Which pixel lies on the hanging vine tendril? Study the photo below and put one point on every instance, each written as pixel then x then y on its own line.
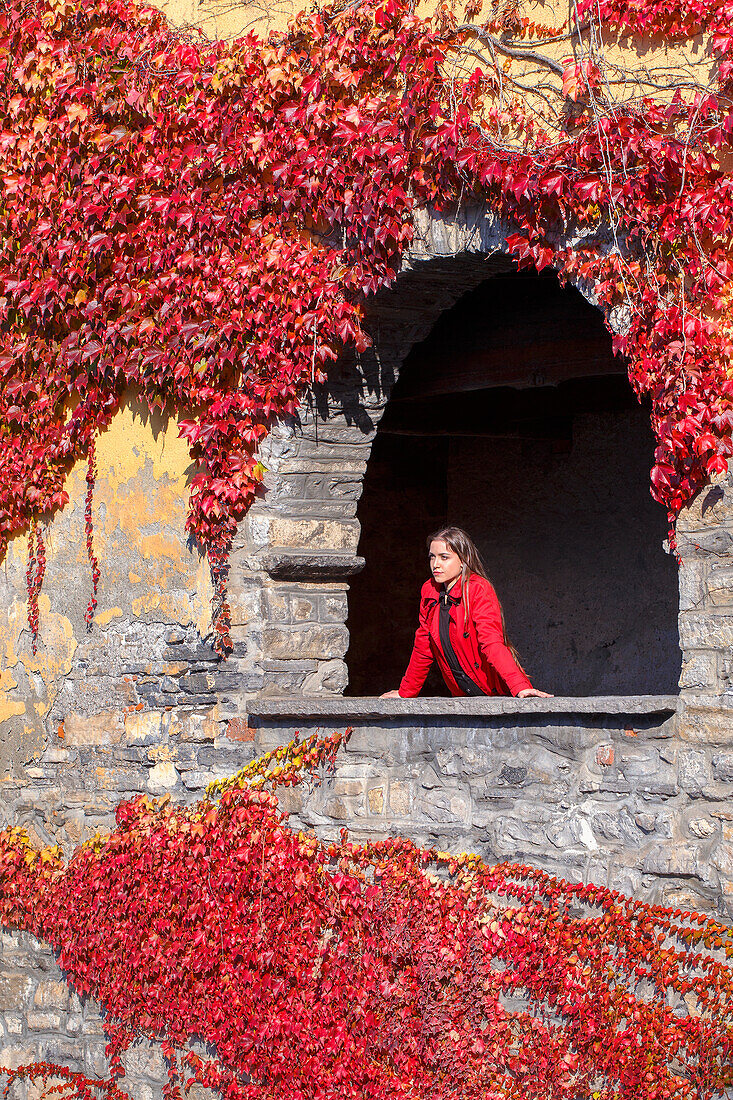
pixel 89 532
pixel 34 575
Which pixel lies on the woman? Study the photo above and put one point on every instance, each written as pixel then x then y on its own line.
pixel 462 627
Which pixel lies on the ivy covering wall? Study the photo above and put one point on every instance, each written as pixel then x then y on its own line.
pixel 201 220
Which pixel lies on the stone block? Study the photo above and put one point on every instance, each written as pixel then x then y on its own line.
pixel 330 678
pixel 723 766
pixel 238 729
pixel 92 1025
pixel 197 683
pixel 716 543
pixel 573 831
pixel 692 585
pixel 336 808
pixel 682 895
pixel 313 534
pixel 515 833
pixel 223 682
pixel 720 585
pixel 162 777
pixel 55 755
pixel 451 806
pixel 106 728
pixel 693 771
pixel 706 725
pixel 43 1021
pixel 352 788
pixel 605 755
pixel 282 683
pixel 333 608
pixel 273 664
pixel 146 1060
pixel 276 606
pixel 673 858
pixel 290 800
pixel 700 630
pixel 16 1055
pixel 430 779
pixel 324 642
pixel 638 761
pixel 15 990
pixel 712 507
pixel 617 825
pixel 399 798
pixel 701 827
pixel 95 1062
pixel 646 821
pixel 375 798
pixel 656 787
pixel 448 761
pixel 513 774
pixel 51 994
pixel 198 780
pixel 699 671
pixel 303 610
pixel 143 727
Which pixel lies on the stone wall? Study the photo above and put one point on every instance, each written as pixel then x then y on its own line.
pixel 152 581
pixel 41 1019
pixel 604 790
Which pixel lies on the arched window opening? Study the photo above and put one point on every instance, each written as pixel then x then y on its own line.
pixel 514 420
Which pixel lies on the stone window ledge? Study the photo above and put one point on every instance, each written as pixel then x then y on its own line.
pixel 359 709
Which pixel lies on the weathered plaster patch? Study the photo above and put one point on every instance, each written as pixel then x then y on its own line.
pixel 148 569
pixel 106 616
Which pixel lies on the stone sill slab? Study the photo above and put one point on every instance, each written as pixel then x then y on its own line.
pixel 358 709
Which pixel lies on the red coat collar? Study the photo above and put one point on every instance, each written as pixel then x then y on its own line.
pixel 455 592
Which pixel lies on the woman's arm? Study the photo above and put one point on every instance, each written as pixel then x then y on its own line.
pixel 419 664
pixel 486 615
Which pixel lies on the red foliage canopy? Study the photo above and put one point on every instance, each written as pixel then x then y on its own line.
pixel 200 220
pixel 379 970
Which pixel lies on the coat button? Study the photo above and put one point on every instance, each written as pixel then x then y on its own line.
pixel 475 664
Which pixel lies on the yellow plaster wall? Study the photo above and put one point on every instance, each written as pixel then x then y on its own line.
pixel 672 65
pixel 149 572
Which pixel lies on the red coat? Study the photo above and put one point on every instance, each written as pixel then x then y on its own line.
pixel 483 654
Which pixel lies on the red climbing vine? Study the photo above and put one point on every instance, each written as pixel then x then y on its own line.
pixel 89 532
pixel 201 220
pixel 60 1082
pixel 310 970
pixel 34 574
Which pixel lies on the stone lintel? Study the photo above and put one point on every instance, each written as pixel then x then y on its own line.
pixel 294 565
pixel 355 709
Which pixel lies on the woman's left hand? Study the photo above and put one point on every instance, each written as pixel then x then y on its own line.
pixel 528 693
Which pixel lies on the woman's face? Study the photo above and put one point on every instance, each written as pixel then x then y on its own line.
pixel 445 565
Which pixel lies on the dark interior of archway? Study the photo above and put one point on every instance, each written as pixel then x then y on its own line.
pixel 514 421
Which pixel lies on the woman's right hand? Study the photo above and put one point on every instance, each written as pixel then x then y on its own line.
pixel 390 695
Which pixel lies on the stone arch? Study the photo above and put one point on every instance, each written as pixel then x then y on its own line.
pixel 514 420
pixel 297 549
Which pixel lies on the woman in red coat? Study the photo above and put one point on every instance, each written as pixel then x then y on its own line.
pixel 462 627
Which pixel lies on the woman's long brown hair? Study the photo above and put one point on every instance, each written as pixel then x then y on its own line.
pixel 471 562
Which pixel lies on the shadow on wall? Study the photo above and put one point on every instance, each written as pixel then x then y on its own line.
pixel 552 482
